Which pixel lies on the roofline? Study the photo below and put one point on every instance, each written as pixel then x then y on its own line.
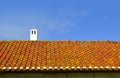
pixel 69 40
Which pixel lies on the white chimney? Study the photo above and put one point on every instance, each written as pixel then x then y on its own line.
pixel 33 34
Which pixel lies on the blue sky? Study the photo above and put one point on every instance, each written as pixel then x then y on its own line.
pixel 60 19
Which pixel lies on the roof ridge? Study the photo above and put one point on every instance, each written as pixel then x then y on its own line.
pixel 69 40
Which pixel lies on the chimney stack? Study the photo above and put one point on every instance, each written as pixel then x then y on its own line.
pixel 33 34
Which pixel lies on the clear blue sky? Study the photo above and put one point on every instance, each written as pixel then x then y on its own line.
pixel 60 19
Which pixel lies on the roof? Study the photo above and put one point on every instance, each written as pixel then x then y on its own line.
pixel 59 55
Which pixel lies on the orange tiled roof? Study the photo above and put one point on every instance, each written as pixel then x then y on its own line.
pixel 40 55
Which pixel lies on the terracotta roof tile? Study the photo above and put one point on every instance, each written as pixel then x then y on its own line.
pixel 18 54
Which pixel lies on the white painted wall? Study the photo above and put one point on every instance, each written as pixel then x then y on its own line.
pixel 33 34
